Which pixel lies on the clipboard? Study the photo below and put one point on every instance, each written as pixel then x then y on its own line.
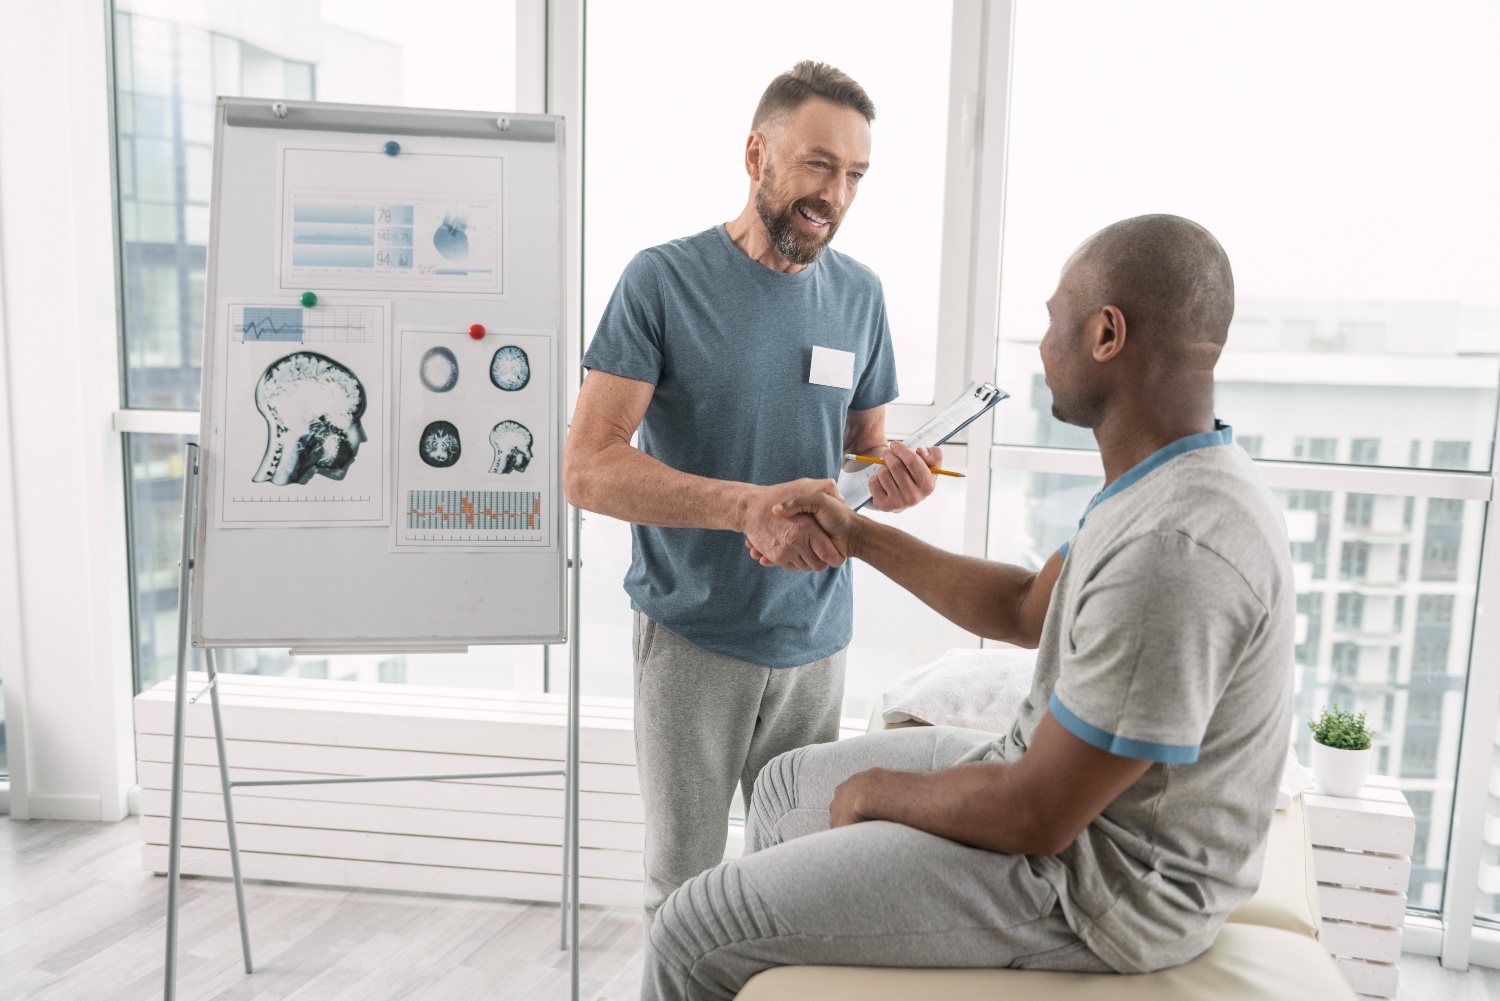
pixel 976 399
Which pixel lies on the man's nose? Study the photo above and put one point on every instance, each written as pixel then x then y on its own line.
pixel 837 191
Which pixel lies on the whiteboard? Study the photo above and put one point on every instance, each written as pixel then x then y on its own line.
pixel 372 477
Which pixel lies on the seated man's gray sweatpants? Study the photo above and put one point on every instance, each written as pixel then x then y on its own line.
pixel 871 894
pixel 704 722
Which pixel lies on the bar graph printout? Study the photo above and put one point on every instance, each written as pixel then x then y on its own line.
pixel 359 219
pixel 301 413
pixel 475 441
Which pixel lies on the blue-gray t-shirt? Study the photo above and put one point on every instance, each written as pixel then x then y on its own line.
pixel 728 344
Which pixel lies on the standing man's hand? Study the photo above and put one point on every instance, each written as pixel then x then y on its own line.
pixel 792 543
pixel 906 478
pixel 833 516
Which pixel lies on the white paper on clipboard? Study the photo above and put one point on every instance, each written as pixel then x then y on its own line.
pixel 976 398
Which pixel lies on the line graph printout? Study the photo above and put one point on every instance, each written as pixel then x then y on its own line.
pixel 301 415
pixel 517 512
pixel 474 441
pixel 323 324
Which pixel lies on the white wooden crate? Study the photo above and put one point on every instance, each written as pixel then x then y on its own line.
pixel 484 837
pixel 1362 859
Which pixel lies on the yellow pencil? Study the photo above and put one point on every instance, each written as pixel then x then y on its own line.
pixel 866 458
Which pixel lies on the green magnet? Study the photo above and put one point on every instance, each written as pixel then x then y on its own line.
pixel 309 299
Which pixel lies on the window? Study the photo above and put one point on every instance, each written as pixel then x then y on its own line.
pixel 171 61
pixel 1359 510
pixel 1345 661
pixel 1409 354
pixel 1251 443
pixel 633 203
pixel 1354 561
pixel 1443 540
pixel 1315 449
pixel 1324 364
pixel 1450 455
pixel 1364 451
pixel 1349 611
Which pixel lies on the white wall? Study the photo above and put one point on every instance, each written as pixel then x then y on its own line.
pixel 64 637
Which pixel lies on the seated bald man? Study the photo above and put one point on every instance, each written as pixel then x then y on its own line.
pixel 1124 816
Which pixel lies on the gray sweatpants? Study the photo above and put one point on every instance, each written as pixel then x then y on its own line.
pixel 871 894
pixel 704 722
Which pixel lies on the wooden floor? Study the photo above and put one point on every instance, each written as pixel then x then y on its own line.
pixel 80 921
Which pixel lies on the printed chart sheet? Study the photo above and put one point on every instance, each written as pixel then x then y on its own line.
pixel 304 414
pixel 474 441
pixel 359 219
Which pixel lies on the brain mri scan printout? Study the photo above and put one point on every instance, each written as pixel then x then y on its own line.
pixel 512 444
pixel 476 470
pixel 312 406
pixel 510 369
pixel 439 371
pixel 302 414
pixel 440 446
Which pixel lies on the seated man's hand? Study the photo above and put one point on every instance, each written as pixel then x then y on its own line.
pixel 792 543
pixel 906 478
pixel 833 517
pixel 851 799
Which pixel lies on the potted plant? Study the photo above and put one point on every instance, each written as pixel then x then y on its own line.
pixel 1340 751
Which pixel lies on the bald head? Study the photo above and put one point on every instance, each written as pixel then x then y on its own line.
pixel 1166 274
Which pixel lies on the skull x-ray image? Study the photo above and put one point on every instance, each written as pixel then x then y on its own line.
pixel 440 446
pixel 439 369
pixel 312 406
pixel 510 369
pixel 512 445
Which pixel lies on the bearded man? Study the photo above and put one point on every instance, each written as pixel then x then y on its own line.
pixel 750 357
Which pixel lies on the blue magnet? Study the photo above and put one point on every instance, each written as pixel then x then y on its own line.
pixel 392 148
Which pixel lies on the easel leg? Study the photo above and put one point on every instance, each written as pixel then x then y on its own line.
pixel 234 846
pixel 566 842
pixel 575 685
pixel 179 712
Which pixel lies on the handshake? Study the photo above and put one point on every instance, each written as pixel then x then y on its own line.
pixel 804 525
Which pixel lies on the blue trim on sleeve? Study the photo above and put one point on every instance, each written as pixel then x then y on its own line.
pixel 1170 754
pixel 1062 550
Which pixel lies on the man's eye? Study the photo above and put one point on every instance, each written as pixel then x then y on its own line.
pixel 856 175
pixel 821 165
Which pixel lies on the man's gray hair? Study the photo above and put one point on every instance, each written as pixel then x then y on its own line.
pixel 805 81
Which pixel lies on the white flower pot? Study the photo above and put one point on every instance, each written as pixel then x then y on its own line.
pixel 1337 772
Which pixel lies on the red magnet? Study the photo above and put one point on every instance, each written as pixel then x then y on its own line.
pixel 477 331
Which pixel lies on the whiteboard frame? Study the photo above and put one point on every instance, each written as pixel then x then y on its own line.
pixel 371 119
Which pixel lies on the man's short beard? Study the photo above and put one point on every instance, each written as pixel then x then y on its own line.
pixel 781 227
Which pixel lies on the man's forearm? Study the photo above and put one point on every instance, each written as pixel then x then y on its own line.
pixel 972 804
pixel 623 482
pixel 982 596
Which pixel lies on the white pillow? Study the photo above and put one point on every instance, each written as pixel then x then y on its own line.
pixel 977 689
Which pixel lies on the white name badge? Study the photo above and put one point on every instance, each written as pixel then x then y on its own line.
pixel 832 367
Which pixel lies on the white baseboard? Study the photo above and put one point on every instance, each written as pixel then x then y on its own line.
pixel 64 806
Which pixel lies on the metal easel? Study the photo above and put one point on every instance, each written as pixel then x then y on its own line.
pixel 569 900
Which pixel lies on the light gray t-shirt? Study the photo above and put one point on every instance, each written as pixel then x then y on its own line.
pixel 1169 638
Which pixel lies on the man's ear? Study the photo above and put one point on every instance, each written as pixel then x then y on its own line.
pixel 1108 335
pixel 757 151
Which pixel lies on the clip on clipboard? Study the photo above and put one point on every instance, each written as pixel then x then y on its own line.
pixel 976 398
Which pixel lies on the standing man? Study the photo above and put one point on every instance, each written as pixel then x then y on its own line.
pixel 750 357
